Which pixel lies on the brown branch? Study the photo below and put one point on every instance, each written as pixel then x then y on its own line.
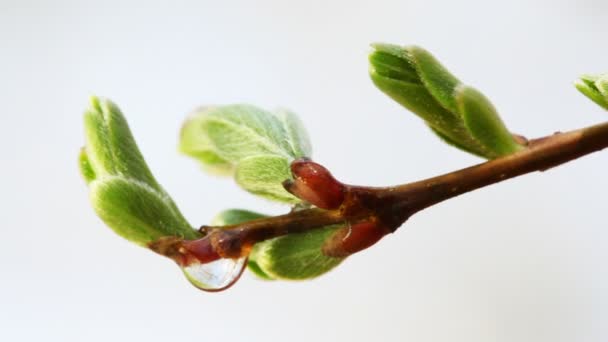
pixel 390 207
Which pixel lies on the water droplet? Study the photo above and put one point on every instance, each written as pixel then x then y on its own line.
pixel 217 275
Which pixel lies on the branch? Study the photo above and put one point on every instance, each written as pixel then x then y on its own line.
pixel 386 207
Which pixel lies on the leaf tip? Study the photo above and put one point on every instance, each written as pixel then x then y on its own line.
pixel 86 169
pixel 94 103
pixel 594 87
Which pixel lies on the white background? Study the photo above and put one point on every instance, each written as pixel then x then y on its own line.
pixel 519 261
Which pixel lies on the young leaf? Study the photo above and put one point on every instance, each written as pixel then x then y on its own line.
pixel 86 170
pixel 240 131
pixel 262 175
pixel 296 133
pixel 124 193
pixel 393 72
pixel 136 211
pixel 446 139
pixel 482 120
pixel 437 79
pixel 295 256
pixel 415 79
pixel 197 145
pixel 595 87
pixel 110 147
pixel 235 216
pixel 255 145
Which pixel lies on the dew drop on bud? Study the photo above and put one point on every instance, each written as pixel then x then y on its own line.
pixel 216 275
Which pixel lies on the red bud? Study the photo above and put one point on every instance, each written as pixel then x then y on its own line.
pixel 355 238
pixel 313 183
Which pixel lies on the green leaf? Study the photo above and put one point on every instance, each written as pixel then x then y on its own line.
pixel 197 145
pixel 263 176
pixel 136 211
pixel 482 120
pixel 392 71
pixel 254 268
pixel 436 78
pixel 414 97
pixel 256 146
pixel 123 191
pixel 595 87
pixel 86 170
pixel 110 147
pixel 230 217
pixel 602 86
pixel 297 138
pixel 295 256
pixel 415 79
pixel 290 257
pixel 393 62
pixel 446 139
pixel 241 131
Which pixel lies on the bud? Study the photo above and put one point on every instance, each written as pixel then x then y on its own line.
pixel 354 238
pixel 315 184
pixel 458 114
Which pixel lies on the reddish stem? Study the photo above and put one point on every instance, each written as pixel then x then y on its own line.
pixel 389 207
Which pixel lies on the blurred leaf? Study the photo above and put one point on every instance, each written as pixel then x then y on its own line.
pixel 124 193
pixel 86 170
pixel 230 217
pixel 254 268
pixel 482 120
pixel 240 131
pixel 255 145
pixel 263 176
pixel 595 87
pixel 197 145
pixel 296 133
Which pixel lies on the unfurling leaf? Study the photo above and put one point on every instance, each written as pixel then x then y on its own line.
pixel 136 211
pixel 416 80
pixel 260 174
pixel 253 144
pixel 595 87
pixel 297 137
pixel 483 122
pixel 124 193
pixel 290 257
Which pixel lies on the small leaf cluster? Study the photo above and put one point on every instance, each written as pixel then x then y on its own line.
pixel 251 144
pixel 459 114
pixel 256 147
pixel 123 191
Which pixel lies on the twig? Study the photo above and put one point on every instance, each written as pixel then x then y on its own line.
pixel 392 206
